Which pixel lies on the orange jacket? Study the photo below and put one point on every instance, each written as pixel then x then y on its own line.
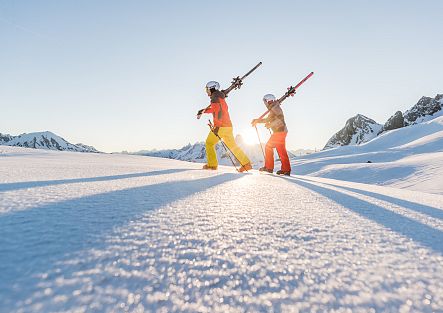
pixel 219 110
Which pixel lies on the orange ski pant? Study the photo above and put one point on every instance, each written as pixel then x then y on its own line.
pixel 278 141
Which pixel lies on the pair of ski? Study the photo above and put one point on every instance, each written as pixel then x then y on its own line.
pixel 236 83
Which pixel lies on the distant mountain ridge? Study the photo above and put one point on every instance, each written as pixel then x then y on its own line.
pixel 197 153
pixel 360 129
pixel 44 140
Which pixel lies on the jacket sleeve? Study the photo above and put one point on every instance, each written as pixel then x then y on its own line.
pixel 209 109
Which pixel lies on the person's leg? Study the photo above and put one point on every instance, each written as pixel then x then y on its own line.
pixel 211 156
pixel 269 153
pixel 282 152
pixel 226 134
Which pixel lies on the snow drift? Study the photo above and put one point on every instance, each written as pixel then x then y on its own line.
pixel 408 157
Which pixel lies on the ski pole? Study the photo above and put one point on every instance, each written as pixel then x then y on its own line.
pixel 259 140
pixel 211 126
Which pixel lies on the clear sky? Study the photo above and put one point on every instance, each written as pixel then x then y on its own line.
pixel 130 75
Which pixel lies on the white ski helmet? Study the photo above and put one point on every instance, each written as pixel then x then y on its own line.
pixel 213 85
pixel 268 98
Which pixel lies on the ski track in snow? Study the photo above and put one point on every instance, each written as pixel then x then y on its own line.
pixel 94 233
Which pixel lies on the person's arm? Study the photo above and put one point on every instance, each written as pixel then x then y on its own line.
pixel 256 121
pixel 208 109
pixel 211 108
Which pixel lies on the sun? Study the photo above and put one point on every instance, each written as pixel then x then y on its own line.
pixel 249 136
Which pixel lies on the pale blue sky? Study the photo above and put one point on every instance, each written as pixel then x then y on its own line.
pixel 130 75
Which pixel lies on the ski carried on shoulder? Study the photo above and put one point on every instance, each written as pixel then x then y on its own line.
pixel 237 82
pixel 291 92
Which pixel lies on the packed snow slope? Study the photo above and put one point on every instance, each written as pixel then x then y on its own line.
pixel 117 233
pixel 410 157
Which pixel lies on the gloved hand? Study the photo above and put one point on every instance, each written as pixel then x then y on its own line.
pixel 199 113
pixel 268 125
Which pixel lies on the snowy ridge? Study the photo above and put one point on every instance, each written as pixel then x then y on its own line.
pixel 409 157
pixel 357 130
pixel 44 140
pixel 4 138
pixel 125 233
pixel 425 108
pixel 360 129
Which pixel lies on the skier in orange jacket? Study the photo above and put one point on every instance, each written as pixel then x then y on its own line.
pixel 276 122
pixel 223 128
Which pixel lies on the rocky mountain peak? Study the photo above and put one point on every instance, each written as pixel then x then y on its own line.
pixel 421 111
pixel 424 107
pixel 395 121
pixel 357 130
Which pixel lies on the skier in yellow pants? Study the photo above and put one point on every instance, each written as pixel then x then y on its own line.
pixel 223 128
pixel 226 134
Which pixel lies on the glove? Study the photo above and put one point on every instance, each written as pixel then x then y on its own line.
pixel 268 125
pixel 199 113
pixel 255 121
pixel 215 130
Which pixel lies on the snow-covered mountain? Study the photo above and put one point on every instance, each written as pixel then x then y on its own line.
pixel 423 110
pixel 4 138
pixel 44 140
pixel 197 153
pixel 357 130
pixel 407 157
pixel 360 129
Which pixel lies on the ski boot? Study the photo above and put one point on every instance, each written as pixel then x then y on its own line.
pixel 264 169
pixel 245 167
pixel 207 167
pixel 281 172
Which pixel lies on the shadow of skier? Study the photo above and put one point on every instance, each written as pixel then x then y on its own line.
pixel 418 232
pixel 44 183
pixel 32 241
pixel 414 206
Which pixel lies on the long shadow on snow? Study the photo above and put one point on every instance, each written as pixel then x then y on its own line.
pixel 420 233
pixel 31 241
pixel 421 208
pixel 44 183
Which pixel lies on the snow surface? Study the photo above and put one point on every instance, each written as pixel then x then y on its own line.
pixel 409 157
pixel 117 233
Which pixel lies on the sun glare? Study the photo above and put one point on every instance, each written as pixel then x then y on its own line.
pixel 249 136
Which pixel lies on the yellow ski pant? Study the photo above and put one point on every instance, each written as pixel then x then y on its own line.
pixel 226 134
